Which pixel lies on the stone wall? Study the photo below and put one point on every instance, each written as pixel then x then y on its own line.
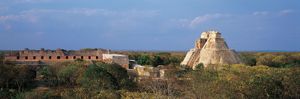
pixel 59 55
pixel 117 58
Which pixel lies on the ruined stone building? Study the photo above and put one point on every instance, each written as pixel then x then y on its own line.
pixel 210 49
pixel 51 56
pixel 117 58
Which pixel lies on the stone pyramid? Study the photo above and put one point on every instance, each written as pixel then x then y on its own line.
pixel 210 49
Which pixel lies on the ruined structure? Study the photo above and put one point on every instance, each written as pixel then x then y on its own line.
pixel 59 55
pixel 117 58
pixel 210 49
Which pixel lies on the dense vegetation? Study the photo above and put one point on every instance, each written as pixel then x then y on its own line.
pixel 272 59
pixel 264 75
pixel 156 58
pixel 240 81
pixel 78 79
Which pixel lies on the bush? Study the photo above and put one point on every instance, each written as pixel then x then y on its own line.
pixel 200 66
pixel 95 77
pixel 120 74
pixel 240 81
pixel 16 76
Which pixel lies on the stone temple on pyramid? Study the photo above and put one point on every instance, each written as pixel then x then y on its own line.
pixel 210 49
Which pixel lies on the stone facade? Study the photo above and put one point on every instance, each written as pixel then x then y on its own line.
pixel 117 58
pixel 159 72
pixel 210 49
pixel 144 71
pixel 59 55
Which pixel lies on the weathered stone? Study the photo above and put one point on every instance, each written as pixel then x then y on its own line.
pixel 37 57
pixel 210 49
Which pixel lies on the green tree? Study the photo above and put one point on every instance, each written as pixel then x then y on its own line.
pixel 95 78
pixel 280 61
pixel 265 60
pixel 248 59
pixel 174 61
pixel 157 60
pixel 144 60
pixel 200 66
pixel 69 74
pixel 119 73
pixel 23 76
pixel 44 72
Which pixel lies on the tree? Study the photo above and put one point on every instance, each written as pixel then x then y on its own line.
pixel 23 76
pixel 248 59
pixel 69 74
pixel 174 61
pixel 280 61
pixel 157 61
pixel 265 60
pixel 16 76
pixel 165 57
pixel 119 73
pixel 7 74
pixel 96 78
pixel 200 66
pixel 144 60
pixel 44 72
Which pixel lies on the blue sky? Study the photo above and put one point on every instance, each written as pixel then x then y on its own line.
pixel 148 24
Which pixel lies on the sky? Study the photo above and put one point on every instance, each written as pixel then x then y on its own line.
pixel 246 25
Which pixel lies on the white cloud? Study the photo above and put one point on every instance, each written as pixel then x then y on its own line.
pixel 117 20
pixel 285 12
pixel 280 13
pixel 20 17
pixel 88 12
pixel 191 23
pixel 91 12
pixel 83 11
pixel 260 13
pixel 137 13
pixel 207 17
pixel 183 22
pixel 5 20
pixel 8 17
pixel 115 17
pixel 80 11
pixel 31 1
pixel 203 19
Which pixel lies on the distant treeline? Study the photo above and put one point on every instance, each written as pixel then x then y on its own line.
pixel 272 59
pixel 264 75
pixel 155 58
